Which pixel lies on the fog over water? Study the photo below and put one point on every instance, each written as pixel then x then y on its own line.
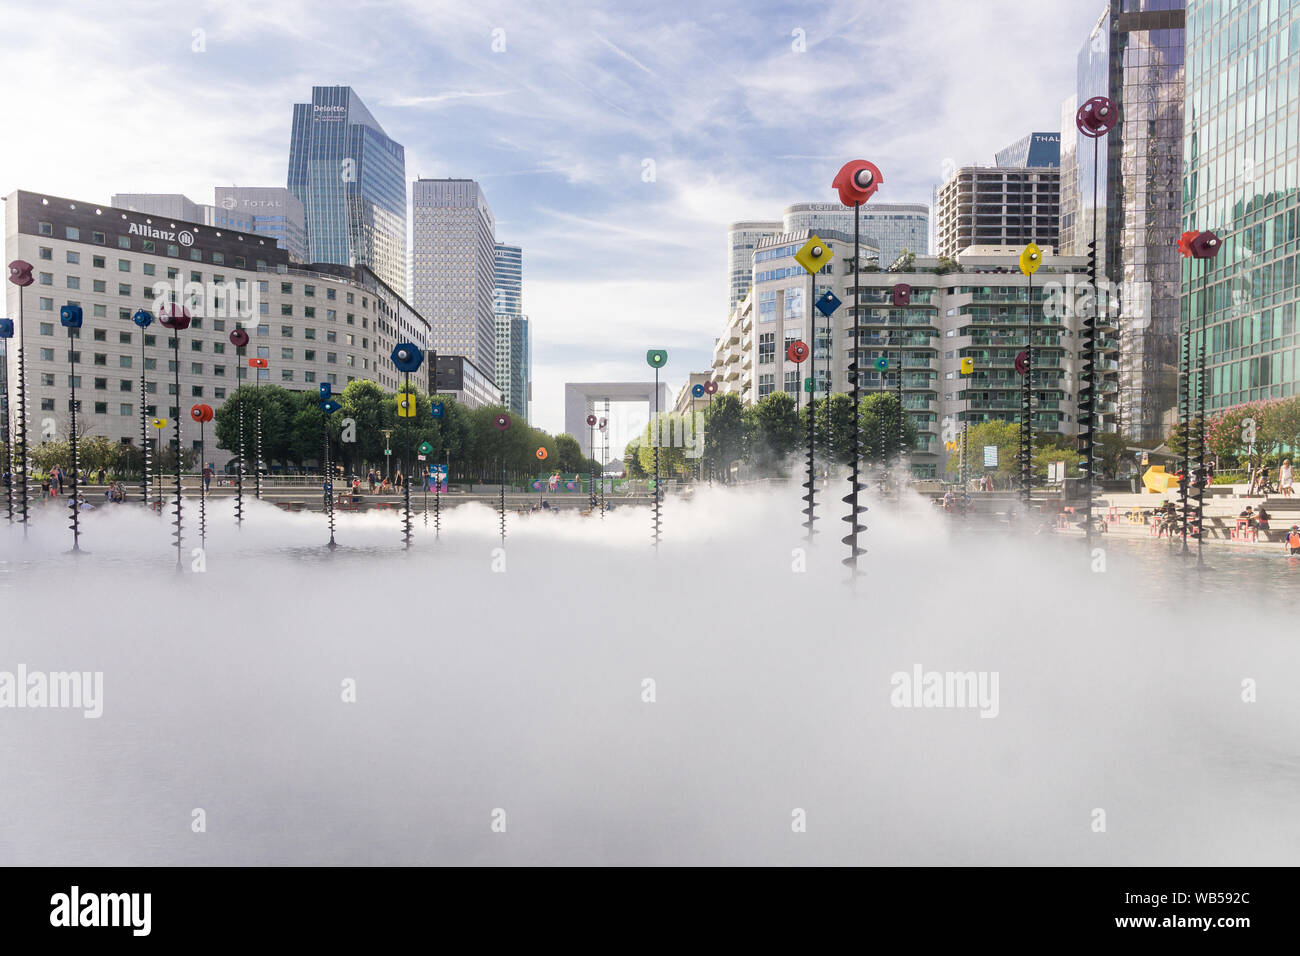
pixel 480 689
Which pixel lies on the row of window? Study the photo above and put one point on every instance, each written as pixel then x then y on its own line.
pixel 73 233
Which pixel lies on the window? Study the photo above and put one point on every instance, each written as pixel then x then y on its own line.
pixel 196 276
pixel 309 355
pixel 125 385
pixel 330 357
pixel 331 336
pixel 793 303
pixel 97 238
pixel 123 265
pixel 792 383
pixel 766 348
pixel 196 368
pixel 173 249
pixel 74 258
pixel 309 376
pixel 149 269
pixel 196 391
pixel 47 328
pixel 219 348
pixel 196 255
pixel 286 354
pixel 309 290
pixel 124 289
pixel 286 308
pixel 44 229
pixel 98 285
pixel 101 384
pixel 218 259
pixel 219 371
pixel 766 385
pixel 47 278
pixel 124 361
pixel 218 393
pixel 125 409
pixel 286 331
pixel 332 315
pixel 329 294
pixel 309 311
pixel 309 333
pixel 124 338
pixel 101 408
pixel 147 245
pixel 72 232
pixel 196 345
pixel 46 305
pixel 767 306
pixel 74 282
pixel 47 379
pixel 47 404
pixel 350 298
pixel 286 374
pixel 97 261
pixel 101 358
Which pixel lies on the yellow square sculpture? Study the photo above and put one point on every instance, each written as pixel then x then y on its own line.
pixel 814 254
pixel 1158 481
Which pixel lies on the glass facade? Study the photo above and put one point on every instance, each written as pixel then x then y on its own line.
pixel 351 180
pixel 890 228
pixel 1242 180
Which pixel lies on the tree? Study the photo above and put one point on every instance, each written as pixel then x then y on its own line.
pixel 632 459
pixel 725 435
pixel 659 434
pixel 1005 436
pixel 1112 449
pixel 568 454
pixel 774 426
pixel 833 426
pixel 1050 454
pixel 886 430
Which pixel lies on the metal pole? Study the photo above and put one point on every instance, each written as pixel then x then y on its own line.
pixel 1027 406
pixel 655 443
pixel 1201 388
pixel 811 484
pixel 203 483
pixel 22 413
pixel 8 436
pixel 144 424
pixel 406 469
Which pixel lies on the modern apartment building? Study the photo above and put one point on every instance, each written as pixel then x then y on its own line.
pixel 351 180
pixel 981 312
pixel 1242 158
pixel 997 206
pixel 1134 55
pixel 322 323
pixel 453 261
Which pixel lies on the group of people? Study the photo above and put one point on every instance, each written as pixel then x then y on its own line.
pixel 1260 483
pixel 379 484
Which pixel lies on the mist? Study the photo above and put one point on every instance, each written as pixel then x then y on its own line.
pixel 505 688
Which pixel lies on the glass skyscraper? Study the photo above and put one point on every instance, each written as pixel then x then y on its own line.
pixel 514 345
pixel 351 180
pixel 1242 160
pixel 508 296
pixel 1134 55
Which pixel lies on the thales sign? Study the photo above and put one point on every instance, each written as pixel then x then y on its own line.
pixel 184 237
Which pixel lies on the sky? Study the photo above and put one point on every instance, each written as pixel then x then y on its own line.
pixel 615 142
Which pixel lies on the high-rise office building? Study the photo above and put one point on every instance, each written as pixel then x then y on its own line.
pixel 1002 206
pixel 171 205
pixel 453 262
pixel 892 227
pixel 513 339
pixel 514 353
pixel 742 239
pixel 508 269
pixel 267 211
pixel 1242 160
pixel 1032 149
pixel 1134 55
pixel 351 180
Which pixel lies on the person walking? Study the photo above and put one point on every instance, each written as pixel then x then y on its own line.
pixel 208 471
pixel 1285 478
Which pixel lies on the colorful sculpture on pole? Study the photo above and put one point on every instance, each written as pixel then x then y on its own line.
pixel 176 318
pixel 7 333
pixel 1030 259
pixel 20 274
pixel 143 319
pixel 1204 246
pixel 502 423
pixel 857 181
pixel 70 318
pixel 239 339
pixel 1094 119
pixel 202 414
pixel 407 358
pixel 656 359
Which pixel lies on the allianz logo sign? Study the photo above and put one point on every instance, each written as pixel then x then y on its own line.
pixel 184 237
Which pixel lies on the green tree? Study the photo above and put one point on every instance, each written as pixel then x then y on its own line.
pixel 833 426
pixel 1005 436
pixel 568 454
pixel 726 437
pixel 672 454
pixel 774 424
pixel 632 459
pixel 886 430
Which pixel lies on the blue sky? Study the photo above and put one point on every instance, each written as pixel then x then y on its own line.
pixel 557 126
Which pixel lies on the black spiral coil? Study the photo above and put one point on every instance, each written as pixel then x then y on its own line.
pixel 1027 407
pixel 203 486
pixel 810 486
pixel 1202 387
pixel 855 434
pixel 437 506
pixel 178 533
pixel 239 468
pixel 1185 425
pixel 1088 390
pixel 656 517
pixel 257 465
pixel 144 429
pixel 329 483
pixel 406 511
pixel 72 499
pixel 8 439
pixel 503 491
pixel 24 500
